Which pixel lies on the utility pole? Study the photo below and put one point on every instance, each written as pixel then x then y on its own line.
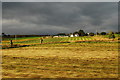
pixel 96 32
pixel 15 38
pixel 41 40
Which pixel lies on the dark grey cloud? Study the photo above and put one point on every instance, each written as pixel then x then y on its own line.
pixel 0 17
pixel 55 17
pixel 60 0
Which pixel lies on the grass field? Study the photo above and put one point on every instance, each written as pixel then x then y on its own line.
pixel 62 60
pixel 36 40
pixel 63 57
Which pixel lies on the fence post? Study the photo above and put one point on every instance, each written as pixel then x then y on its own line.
pixel 41 40
pixel 11 43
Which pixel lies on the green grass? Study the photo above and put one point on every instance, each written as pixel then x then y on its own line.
pixel 48 40
pixel 6 39
pixel 116 35
pixel 36 40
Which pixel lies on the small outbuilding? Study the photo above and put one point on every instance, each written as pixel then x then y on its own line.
pixel 71 35
pixel 76 35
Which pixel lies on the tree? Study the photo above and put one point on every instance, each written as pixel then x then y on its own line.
pixel 86 34
pixel 4 35
pixel 103 33
pixel 91 34
pixel 81 33
pixel 76 32
pixel 61 34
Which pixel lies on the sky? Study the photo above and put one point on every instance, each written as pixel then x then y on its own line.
pixel 0 17
pixel 60 0
pixel 58 17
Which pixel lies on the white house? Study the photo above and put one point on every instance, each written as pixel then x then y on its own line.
pixel 76 35
pixel 71 35
pixel 55 36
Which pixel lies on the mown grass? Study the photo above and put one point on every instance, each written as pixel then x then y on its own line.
pixel 37 40
pixel 47 40
pixel 116 35
pixel 68 59
pixel 31 41
pixel 54 65
pixel 62 60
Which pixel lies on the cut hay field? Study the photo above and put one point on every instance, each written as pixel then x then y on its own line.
pixel 37 40
pixel 61 60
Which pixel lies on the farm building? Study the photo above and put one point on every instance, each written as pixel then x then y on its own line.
pixel 55 36
pixel 71 35
pixel 76 35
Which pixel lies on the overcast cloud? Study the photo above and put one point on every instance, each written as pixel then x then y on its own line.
pixel 57 17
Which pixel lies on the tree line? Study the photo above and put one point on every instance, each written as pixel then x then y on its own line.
pixel 79 32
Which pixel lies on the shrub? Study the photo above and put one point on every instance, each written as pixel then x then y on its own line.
pixel 103 33
pixel 111 35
